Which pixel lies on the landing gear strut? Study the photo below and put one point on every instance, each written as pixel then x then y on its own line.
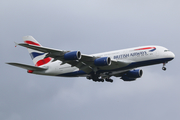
pixel 164 68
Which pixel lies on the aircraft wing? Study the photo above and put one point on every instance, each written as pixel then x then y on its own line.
pixel 43 49
pixel 89 60
pixel 27 67
pixel 86 63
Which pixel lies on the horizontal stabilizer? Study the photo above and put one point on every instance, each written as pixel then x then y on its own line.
pixel 27 67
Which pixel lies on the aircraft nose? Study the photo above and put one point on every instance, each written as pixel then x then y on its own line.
pixel 172 55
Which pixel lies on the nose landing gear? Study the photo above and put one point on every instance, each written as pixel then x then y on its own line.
pixel 164 68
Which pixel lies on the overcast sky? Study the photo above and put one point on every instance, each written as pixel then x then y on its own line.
pixel 91 26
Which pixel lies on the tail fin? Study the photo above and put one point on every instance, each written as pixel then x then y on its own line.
pixel 37 56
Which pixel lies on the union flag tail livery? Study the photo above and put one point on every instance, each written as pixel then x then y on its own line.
pixel 97 67
pixel 37 56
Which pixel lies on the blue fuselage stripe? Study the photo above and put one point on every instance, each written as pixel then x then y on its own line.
pixel 130 66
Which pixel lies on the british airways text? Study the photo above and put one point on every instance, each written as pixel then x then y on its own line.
pixel 134 54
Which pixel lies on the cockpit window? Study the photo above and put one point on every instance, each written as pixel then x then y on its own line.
pixel 166 50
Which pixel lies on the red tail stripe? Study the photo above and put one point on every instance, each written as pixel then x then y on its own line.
pixel 32 43
pixel 43 61
pixel 145 48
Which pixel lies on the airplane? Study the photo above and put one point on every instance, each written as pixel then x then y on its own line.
pixel 97 67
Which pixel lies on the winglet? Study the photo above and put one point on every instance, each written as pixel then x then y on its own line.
pixel 16 44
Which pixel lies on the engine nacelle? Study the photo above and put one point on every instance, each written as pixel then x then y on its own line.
pixel 135 73
pixel 75 55
pixel 132 75
pixel 125 78
pixel 103 61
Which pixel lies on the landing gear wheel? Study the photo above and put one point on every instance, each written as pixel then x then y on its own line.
pixel 109 80
pixel 164 68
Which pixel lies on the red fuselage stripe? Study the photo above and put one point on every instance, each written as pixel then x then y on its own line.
pixel 146 48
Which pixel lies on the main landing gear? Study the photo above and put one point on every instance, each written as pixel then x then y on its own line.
pixel 164 68
pixel 102 80
pixel 109 80
pixel 96 78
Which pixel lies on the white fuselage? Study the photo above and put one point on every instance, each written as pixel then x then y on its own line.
pixel 136 57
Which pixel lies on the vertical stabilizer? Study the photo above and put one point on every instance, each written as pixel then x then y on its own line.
pixel 37 56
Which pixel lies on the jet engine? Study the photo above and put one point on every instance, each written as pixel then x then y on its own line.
pixel 103 61
pixel 132 75
pixel 75 55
